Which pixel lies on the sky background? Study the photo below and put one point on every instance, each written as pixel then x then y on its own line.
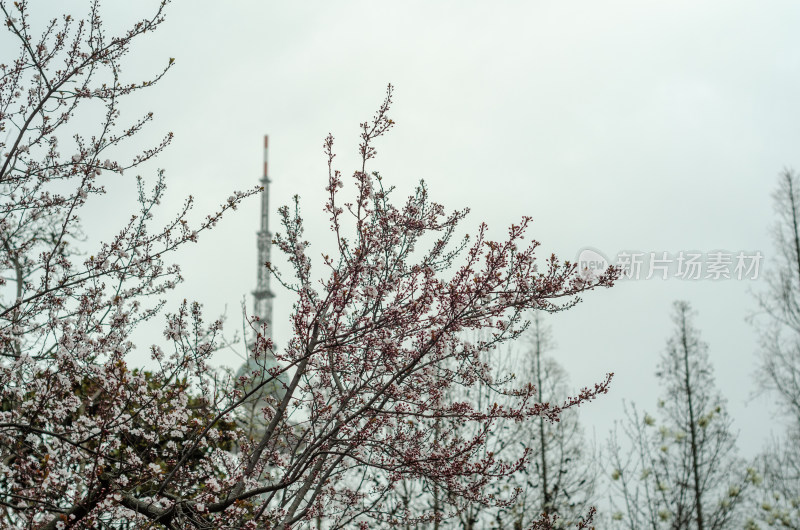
pixel 620 125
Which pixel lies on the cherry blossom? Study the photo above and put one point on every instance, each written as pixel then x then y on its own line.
pixel 379 333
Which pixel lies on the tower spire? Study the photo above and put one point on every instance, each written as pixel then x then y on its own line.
pixel 263 295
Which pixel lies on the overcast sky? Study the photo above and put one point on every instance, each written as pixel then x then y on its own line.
pixel 647 126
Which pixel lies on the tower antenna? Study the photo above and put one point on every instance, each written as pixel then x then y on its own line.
pixel 263 295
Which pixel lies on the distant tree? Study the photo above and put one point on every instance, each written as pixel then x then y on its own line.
pixel 87 441
pixel 507 440
pixel 780 304
pixel 679 471
pixel 560 477
pixel 558 472
pixel 776 475
pixel 778 323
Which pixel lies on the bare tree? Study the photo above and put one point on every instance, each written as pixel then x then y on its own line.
pixel 780 304
pixel 680 470
pixel 558 472
pixel 778 323
pixel 559 479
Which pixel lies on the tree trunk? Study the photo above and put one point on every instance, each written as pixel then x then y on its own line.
pixel 692 424
pixel 546 500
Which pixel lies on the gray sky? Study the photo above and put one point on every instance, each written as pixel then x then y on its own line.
pixel 620 125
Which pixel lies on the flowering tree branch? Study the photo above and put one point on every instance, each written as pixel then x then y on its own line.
pixel 88 441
